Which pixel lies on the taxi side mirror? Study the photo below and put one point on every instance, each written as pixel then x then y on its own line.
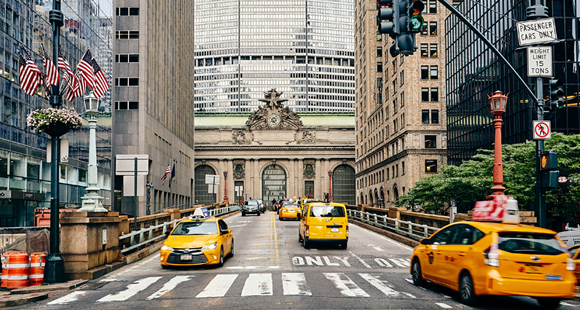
pixel 224 231
pixel 426 241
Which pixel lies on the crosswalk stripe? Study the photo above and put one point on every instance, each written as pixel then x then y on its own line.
pixel 380 285
pixel 219 286
pixel 444 306
pixel 74 296
pixel 295 284
pixel 258 284
pixel 173 283
pixel 400 262
pixel 346 286
pixel 132 290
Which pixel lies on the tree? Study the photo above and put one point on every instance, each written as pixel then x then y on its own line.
pixel 472 180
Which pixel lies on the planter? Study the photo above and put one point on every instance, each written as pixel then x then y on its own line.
pixel 57 129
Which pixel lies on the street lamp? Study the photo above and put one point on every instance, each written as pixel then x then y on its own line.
pixel 226 200
pixel 497 104
pixel 329 185
pixel 92 202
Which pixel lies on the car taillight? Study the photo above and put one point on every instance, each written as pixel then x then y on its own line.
pixel 347 229
pixel 491 255
pixel 307 229
pixel 571 265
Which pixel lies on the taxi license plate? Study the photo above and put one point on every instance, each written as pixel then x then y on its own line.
pixel 334 230
pixel 186 257
pixel 533 269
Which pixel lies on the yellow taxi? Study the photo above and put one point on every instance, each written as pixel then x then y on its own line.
pixel 289 211
pixel 575 253
pixel 489 258
pixel 198 240
pixel 324 223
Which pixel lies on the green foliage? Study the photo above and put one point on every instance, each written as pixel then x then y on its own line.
pixel 472 180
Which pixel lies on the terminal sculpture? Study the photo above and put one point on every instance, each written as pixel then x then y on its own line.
pixel 273 115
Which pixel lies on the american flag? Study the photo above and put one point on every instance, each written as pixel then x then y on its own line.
pixel 52 76
pixel 167 171
pixel 85 71
pixel 30 75
pixel 101 84
pixel 64 65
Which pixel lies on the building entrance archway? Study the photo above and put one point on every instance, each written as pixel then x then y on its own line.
pixel 273 183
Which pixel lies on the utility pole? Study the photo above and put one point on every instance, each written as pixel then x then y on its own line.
pixel 54 272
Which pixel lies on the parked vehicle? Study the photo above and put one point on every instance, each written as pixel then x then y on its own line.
pixel 251 207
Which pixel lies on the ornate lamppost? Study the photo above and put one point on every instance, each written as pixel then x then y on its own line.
pixel 226 187
pixel 329 185
pixel 92 202
pixel 497 103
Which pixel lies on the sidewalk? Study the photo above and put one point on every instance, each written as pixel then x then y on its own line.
pixel 21 296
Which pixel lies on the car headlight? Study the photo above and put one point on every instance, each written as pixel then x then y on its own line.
pixel 166 248
pixel 210 246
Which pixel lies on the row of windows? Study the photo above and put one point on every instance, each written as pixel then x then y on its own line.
pixel 429 50
pixel 127 11
pixel 430 94
pixel 429 72
pixel 125 35
pixel 126 105
pixel 126 81
pixel 434 117
pixel 127 58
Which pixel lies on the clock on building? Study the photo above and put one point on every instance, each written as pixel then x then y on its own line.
pixel 273 120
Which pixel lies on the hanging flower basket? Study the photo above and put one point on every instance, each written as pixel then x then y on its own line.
pixel 55 122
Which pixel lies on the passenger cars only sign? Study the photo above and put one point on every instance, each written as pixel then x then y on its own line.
pixel 537 31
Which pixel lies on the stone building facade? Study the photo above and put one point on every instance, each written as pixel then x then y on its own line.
pixel 275 153
pixel 400 109
pixel 153 98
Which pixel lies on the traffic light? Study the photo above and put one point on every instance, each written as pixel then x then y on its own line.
pixel 416 21
pixel 548 166
pixel 396 25
pixel 390 14
pixel 556 93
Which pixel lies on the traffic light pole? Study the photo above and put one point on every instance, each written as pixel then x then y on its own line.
pixel 540 197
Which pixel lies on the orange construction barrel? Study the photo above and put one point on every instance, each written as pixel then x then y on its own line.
pixel 5 269
pixel 36 274
pixel 18 267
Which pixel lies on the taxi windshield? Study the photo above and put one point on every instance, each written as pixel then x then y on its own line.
pixel 529 243
pixel 573 251
pixel 326 211
pixel 196 228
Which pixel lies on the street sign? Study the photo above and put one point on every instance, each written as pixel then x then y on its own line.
pixel 212 179
pixel 542 130
pixel 125 164
pixel 562 180
pixel 239 190
pixel 538 31
pixel 212 189
pixel 540 61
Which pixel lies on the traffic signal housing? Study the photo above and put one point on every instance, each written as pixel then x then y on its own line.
pixel 390 14
pixel 397 16
pixel 556 93
pixel 548 168
pixel 416 21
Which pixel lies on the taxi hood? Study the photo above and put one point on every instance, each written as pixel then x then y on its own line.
pixel 189 241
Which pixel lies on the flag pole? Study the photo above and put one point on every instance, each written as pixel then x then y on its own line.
pixel 54 272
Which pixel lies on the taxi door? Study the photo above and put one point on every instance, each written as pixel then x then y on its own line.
pixel 456 255
pixel 303 219
pixel 226 238
pixel 437 254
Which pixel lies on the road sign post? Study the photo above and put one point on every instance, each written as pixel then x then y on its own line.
pixel 540 61
pixel 212 180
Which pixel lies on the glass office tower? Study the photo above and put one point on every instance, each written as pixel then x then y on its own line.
pixel 304 48
pixel 474 73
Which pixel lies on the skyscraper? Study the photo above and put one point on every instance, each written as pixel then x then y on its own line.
pixel 304 48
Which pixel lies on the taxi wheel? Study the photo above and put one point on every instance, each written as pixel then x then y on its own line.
pixel 549 303
pixel 417 274
pixel 299 237
pixel 343 245
pixel 221 263
pixel 306 243
pixel 243 214
pixel 466 291
pixel 258 213
pixel 232 249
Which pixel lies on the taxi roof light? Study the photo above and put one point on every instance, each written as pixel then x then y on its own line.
pixel 200 214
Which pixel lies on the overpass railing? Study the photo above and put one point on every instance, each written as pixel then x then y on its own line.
pixel 406 228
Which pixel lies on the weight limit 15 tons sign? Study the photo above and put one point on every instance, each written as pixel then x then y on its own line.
pixel 540 61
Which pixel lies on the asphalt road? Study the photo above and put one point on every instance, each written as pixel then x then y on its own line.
pixel 271 270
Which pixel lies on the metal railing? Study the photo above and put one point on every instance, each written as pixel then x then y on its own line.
pixel 406 228
pixel 145 236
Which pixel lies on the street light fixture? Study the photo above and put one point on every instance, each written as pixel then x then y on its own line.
pixel 497 104
pixel 92 201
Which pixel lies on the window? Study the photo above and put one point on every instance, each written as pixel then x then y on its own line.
pixel 430 142
pixel 425 72
pixel 424 50
pixel 402 99
pixel 403 120
pixel 424 94
pixel 127 58
pixel 434 116
pixel 133 11
pixel 379 51
pixel 433 50
pixel 394 66
pixel 126 81
pixel 434 72
pixel 124 35
pixel 433 28
pixel 402 76
pixel 403 168
pixel 379 67
pixel 434 94
pixel 425 116
pixel 126 105
pixel 466 235
pixel 127 11
pixel 430 165
pixel 432 6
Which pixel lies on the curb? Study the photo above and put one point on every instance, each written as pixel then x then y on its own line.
pixel 19 300
pixel 402 239
pixel 48 288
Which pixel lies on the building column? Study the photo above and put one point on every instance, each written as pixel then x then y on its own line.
pixel 290 182
pixel 221 168
pixel 325 173
pixel 300 176
pixel 318 181
pixel 231 192
pixel 257 191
